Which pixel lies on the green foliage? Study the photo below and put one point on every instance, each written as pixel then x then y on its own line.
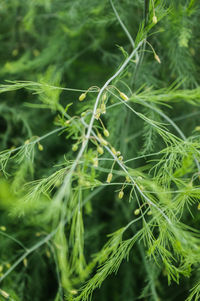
pixel 99 134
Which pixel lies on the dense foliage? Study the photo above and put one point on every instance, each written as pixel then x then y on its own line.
pixel 100 150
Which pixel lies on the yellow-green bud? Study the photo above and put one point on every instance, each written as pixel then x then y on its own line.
pixel 104 96
pixel 128 179
pixel 137 211
pixel 74 147
pixel 109 178
pixel 82 96
pixel 95 162
pixel 155 20
pixel 114 151
pixel 198 207
pixel 40 147
pixel 157 58
pixel 106 133
pixel 100 150
pixel 103 108
pixel 3 228
pixel 123 96
pixel 121 194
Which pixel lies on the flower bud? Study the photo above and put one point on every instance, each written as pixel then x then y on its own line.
pixel 74 147
pixel 157 58
pixel 121 194
pixel 40 147
pixel 137 212
pixel 106 133
pixel 100 150
pixel 154 19
pixel 82 96
pixel 109 178
pixel 123 96
pixel 95 162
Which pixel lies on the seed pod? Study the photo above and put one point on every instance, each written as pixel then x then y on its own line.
pixel 100 150
pixel 137 212
pixel 109 178
pixel 154 19
pixel 82 96
pixel 121 194
pixel 157 58
pixel 74 147
pixel 106 133
pixel 123 96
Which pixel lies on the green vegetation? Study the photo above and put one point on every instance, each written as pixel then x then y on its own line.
pixel 100 150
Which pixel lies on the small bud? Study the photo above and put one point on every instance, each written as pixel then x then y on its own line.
pixel 74 147
pixel 118 153
pixel 157 58
pixel 120 158
pixel 4 294
pixel 1 268
pixel 82 96
pixel 137 212
pixel 155 20
pixel 149 212
pixel 123 96
pixel 97 114
pixel 113 150
pixel 106 133
pixel 198 207
pixel 102 141
pixel 197 128
pixel 103 108
pixel 67 122
pixel 8 265
pixel 104 97
pixel 25 262
pixel 48 254
pixel 74 292
pixel 109 178
pixel 83 114
pixel 95 162
pixel 128 179
pixel 15 52
pixel 36 52
pixel 40 147
pixel 121 194
pixel 3 228
pixel 100 150
pixel 27 142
